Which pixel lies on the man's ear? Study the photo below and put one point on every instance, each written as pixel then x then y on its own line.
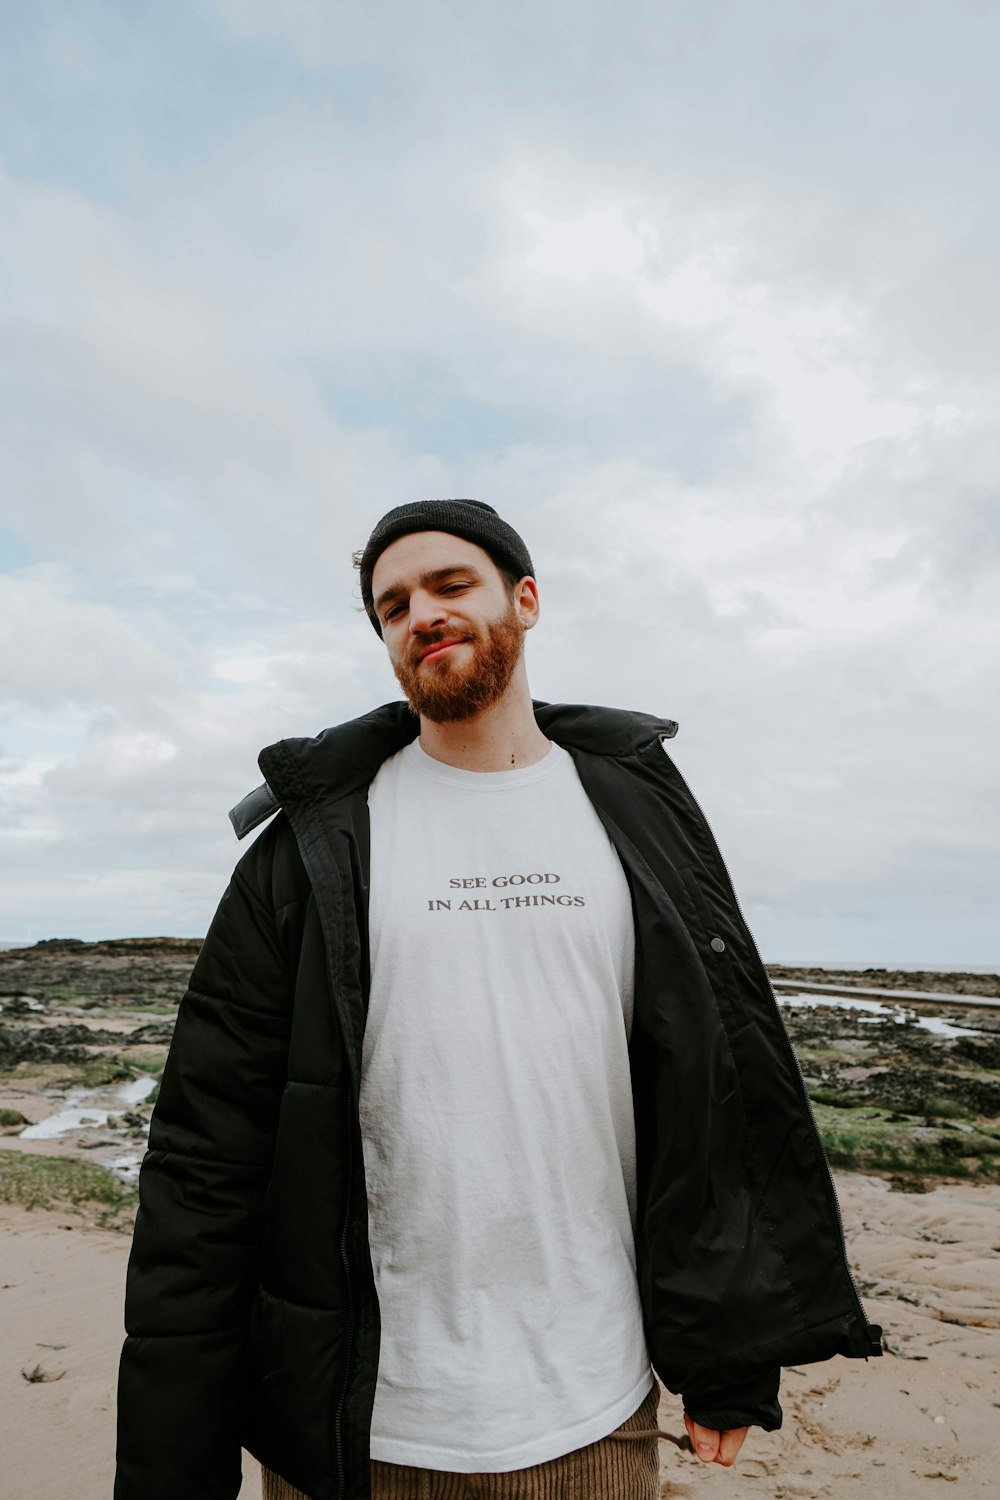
pixel 526 599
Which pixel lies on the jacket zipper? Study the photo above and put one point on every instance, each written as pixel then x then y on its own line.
pixel 804 1092
pixel 358 871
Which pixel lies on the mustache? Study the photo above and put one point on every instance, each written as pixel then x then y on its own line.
pixel 425 643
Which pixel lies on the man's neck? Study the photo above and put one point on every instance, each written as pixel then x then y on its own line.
pixel 504 737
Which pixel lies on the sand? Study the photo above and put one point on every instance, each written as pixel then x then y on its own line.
pixel 923 1420
pixel 61 1292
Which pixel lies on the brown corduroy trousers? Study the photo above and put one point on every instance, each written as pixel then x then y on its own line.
pixel 622 1466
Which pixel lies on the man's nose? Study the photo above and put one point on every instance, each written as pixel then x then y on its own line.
pixel 427 612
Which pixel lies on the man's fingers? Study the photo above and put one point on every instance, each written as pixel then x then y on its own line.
pixel 715 1447
pixel 730 1444
pixel 704 1441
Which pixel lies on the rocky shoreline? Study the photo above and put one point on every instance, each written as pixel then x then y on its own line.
pixel 908 1090
pixel 933 981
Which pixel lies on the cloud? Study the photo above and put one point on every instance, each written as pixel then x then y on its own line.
pixel 694 295
pixel 58 650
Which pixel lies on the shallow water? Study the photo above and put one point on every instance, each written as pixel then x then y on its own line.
pixel 876 1010
pixel 78 1113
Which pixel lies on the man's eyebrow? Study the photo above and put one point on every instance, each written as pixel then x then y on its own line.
pixel 433 575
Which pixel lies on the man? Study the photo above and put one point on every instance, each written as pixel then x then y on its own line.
pixel 478 1104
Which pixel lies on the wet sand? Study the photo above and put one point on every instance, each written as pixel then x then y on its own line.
pixel 922 1420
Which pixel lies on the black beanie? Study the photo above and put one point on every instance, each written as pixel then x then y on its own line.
pixel 471 519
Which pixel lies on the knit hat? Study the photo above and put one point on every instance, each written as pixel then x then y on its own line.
pixel 471 519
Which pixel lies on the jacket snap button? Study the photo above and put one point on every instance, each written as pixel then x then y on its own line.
pixel 718 946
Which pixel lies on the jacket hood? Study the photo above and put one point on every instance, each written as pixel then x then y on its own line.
pixel 348 755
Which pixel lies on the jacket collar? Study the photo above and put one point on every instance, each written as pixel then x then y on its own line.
pixel 344 759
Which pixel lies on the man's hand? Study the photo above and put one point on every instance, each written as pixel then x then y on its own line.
pixel 715 1447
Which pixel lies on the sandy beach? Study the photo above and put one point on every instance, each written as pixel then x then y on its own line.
pixel 906 1092
pixel 922 1420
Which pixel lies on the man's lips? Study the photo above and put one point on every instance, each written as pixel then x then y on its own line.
pixel 440 647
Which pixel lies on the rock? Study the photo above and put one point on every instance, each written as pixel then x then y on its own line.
pixel 124 971
pixel 72 1043
pixel 154 1031
pixel 63 1044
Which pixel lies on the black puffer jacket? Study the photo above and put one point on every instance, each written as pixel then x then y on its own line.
pixel 251 1310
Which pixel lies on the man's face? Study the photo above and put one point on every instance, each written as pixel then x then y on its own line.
pixel 453 632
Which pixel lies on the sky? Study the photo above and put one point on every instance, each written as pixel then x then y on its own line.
pixel 701 296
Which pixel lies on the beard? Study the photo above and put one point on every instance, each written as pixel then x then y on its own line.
pixel 446 694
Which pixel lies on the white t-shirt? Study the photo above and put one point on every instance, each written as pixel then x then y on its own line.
pixel 496 1114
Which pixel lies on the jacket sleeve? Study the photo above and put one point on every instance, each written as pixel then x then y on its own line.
pixel 193 1266
pixel 746 1398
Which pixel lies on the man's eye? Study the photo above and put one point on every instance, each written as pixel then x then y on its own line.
pixel 391 613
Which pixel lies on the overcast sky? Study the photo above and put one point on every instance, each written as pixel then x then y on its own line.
pixel 701 295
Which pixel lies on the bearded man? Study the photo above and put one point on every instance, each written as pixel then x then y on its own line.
pixel 479 1110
